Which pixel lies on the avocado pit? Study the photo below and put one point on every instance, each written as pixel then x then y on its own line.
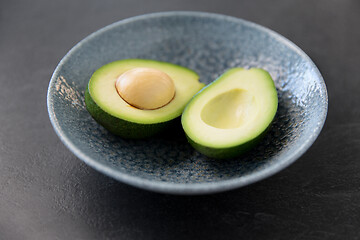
pixel 145 88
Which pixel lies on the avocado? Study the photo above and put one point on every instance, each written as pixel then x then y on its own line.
pixel 230 115
pixel 108 108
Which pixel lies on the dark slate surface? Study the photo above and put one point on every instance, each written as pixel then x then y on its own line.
pixel 47 193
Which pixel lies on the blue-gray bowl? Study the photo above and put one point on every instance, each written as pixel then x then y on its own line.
pixel 209 44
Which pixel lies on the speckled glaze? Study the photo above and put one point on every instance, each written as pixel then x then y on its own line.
pixel 209 44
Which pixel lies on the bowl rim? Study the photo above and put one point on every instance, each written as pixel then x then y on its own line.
pixel 187 188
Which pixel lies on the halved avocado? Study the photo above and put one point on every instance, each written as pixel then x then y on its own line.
pixel 230 115
pixel 107 107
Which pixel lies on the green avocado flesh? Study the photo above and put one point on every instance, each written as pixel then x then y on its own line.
pixel 111 111
pixel 229 116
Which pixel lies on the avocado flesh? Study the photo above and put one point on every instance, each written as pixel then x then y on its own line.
pixel 229 116
pixel 112 112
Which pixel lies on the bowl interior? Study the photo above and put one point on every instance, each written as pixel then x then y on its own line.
pixel 209 44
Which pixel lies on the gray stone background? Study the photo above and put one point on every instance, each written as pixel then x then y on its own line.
pixel 47 193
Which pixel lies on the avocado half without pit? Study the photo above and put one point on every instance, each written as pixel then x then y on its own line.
pixel 137 98
pixel 230 115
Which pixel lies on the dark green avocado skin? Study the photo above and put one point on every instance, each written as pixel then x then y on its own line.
pixel 122 128
pixel 231 152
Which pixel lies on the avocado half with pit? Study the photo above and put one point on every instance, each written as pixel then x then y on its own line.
pixel 145 101
pixel 230 115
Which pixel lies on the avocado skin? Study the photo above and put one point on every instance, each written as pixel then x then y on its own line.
pixel 120 127
pixel 226 153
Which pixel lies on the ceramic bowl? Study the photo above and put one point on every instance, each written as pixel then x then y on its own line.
pixel 209 44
